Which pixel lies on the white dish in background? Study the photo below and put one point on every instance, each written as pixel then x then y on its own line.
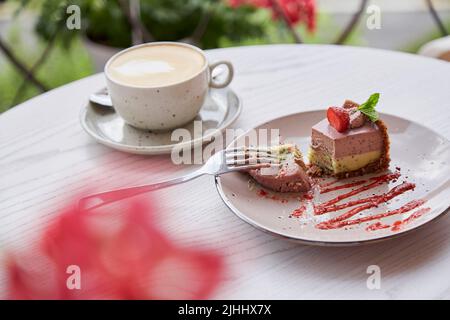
pixel 422 155
pixel 221 108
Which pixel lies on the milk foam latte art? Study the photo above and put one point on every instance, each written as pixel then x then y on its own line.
pixel 153 66
pixel 161 85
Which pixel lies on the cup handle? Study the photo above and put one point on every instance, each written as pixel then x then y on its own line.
pixel 227 81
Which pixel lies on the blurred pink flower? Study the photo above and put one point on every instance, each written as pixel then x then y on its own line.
pixel 296 11
pixel 126 259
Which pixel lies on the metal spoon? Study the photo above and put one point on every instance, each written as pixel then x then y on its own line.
pixel 102 97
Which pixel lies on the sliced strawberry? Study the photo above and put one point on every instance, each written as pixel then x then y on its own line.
pixel 338 118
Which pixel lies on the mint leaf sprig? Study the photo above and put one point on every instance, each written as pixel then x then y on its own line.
pixel 368 107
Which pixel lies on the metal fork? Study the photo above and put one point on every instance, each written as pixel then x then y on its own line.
pixel 230 160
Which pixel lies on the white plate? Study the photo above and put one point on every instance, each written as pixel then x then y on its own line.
pixel 221 109
pixel 422 155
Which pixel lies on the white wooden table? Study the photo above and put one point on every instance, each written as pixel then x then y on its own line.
pixel 45 156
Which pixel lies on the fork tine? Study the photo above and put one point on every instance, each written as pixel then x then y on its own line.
pixel 252 166
pixel 245 149
pixel 248 152
pixel 250 155
pixel 251 161
pixel 245 158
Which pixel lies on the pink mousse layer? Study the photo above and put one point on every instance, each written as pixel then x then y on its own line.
pixel 291 177
pixel 352 142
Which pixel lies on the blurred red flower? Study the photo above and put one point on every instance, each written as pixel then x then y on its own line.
pixel 296 11
pixel 126 258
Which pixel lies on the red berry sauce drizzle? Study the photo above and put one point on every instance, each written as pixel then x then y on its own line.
pixel 268 195
pixel 359 205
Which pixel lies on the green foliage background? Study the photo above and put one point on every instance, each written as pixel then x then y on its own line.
pixel 167 20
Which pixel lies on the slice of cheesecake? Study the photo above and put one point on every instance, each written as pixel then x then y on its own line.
pixel 349 143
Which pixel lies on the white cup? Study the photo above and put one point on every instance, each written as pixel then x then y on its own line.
pixel 167 106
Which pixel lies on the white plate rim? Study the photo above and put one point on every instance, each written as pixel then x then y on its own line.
pixel 162 149
pixel 267 230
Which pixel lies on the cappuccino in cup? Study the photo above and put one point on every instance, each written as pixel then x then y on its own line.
pixel 155 66
pixel 160 85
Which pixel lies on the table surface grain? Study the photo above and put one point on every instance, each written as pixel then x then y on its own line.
pixel 45 158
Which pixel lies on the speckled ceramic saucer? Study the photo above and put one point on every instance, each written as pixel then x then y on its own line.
pixel 220 110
